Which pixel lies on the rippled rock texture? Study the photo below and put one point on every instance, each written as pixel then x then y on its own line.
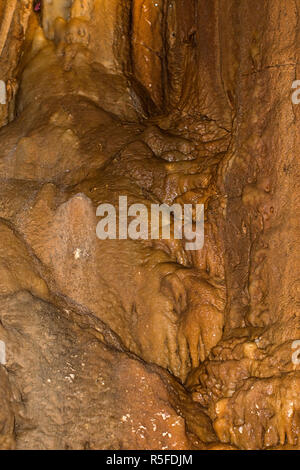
pixel 141 344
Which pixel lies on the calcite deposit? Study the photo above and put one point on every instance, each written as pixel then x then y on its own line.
pixel 143 344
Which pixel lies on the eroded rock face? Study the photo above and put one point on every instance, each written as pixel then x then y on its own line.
pixel 141 344
pixel 66 389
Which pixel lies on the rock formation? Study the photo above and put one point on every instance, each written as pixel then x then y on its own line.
pixel 142 344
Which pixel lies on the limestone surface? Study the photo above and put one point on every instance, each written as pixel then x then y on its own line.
pixel 143 344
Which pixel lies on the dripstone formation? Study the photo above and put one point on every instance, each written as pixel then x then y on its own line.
pixel 142 344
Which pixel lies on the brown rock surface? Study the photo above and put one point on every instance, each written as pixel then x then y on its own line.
pixel 142 344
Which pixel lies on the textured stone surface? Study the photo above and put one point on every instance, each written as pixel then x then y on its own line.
pixel 142 344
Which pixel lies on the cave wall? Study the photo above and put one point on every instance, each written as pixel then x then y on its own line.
pixel 167 101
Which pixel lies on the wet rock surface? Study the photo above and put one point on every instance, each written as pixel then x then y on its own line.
pixel 142 344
